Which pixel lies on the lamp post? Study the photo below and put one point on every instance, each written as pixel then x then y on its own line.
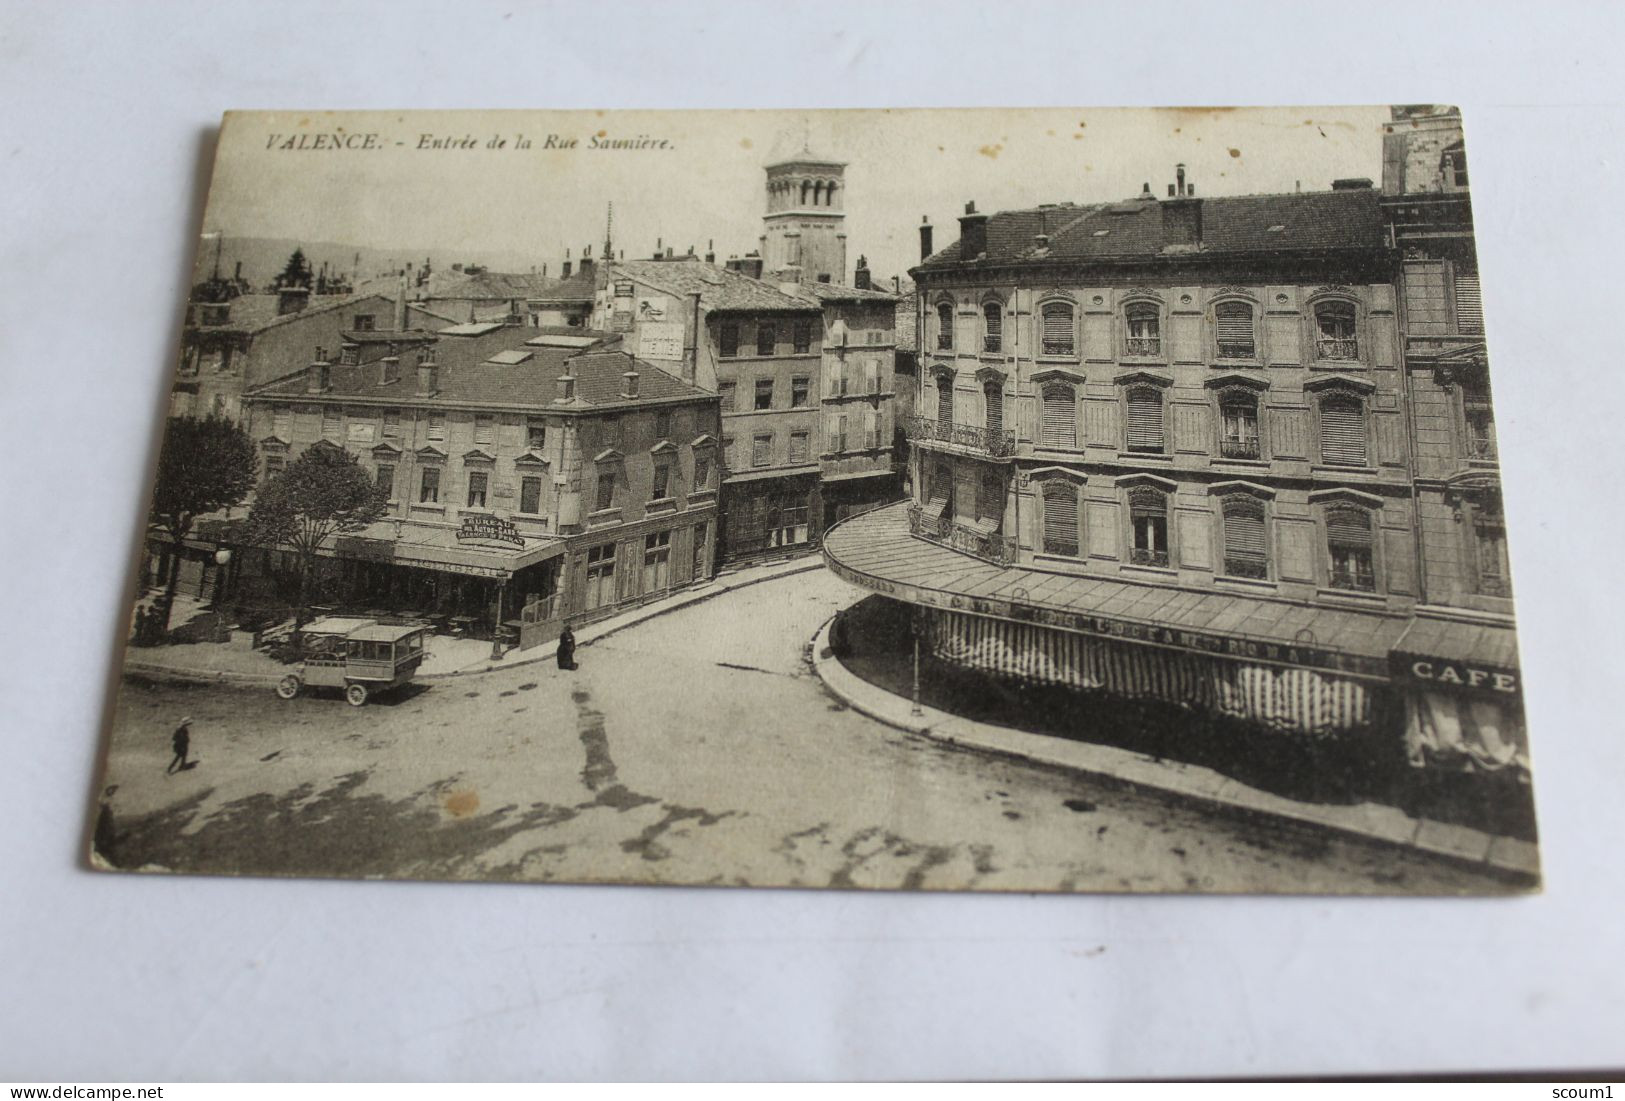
pixel 222 558
pixel 916 710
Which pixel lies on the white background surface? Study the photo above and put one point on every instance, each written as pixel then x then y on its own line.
pixel 108 110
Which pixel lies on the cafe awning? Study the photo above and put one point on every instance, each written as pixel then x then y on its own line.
pixel 440 549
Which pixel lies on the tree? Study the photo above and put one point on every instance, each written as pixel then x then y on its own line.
pixel 323 493
pixel 296 273
pixel 204 464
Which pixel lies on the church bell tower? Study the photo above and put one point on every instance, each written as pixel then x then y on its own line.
pixel 804 230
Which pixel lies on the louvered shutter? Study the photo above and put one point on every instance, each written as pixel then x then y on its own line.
pixel 994 393
pixel 1342 432
pixel 871 429
pixel 871 376
pixel 837 435
pixel 1060 519
pixel 994 316
pixel 1144 420
pixel 1348 527
pixel 1244 543
pixel 1234 323
pixel 1057 330
pixel 1060 425
pixel 1469 306
pixel 945 399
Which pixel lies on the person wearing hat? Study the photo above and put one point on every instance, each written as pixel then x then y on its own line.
pixel 182 741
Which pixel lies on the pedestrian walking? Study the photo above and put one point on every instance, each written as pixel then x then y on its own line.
pixel 182 741
pixel 567 648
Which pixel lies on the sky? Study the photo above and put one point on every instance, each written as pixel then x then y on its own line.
pixel 277 174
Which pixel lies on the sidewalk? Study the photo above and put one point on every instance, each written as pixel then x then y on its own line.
pixel 445 657
pixel 1369 821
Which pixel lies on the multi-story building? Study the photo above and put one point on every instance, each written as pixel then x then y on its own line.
pixel 1459 660
pixel 534 477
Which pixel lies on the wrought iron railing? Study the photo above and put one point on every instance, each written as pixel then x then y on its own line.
pixel 1058 347
pixel 1237 350
pixel 988 546
pixel 1480 446
pixel 1145 345
pixel 995 442
pixel 1358 579
pixel 1327 348
pixel 1244 448
pixel 1243 566
pixel 992 343
pixel 1142 556
pixel 945 342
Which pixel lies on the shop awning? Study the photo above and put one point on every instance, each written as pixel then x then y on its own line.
pixel 777 472
pixel 1457 654
pixel 438 548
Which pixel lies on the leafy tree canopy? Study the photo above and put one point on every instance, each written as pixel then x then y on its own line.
pixel 296 272
pixel 204 464
pixel 324 492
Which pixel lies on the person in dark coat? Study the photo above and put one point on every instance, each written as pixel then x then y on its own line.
pixel 567 648
pixel 182 741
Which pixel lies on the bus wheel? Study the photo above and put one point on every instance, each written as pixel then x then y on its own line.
pixel 288 687
pixel 356 694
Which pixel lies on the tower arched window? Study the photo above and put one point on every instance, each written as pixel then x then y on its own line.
pixel 829 193
pixel 806 190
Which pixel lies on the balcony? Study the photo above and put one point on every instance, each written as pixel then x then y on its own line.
pixel 988 546
pixel 1480 445
pixel 1147 346
pixel 1244 447
pixel 1357 578
pixel 1331 348
pixel 1144 556
pixel 993 442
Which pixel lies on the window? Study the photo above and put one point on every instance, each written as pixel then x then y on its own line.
pixel 600 577
pixel 478 480
pixel 1233 328
pixel 1469 303
pixel 790 525
pixel 1479 418
pixel 1059 427
pixel 662 481
pixel 484 428
pixel 993 403
pixel 871 376
pixel 1060 518
pixel 530 495
pixel 1490 544
pixel 656 561
pixel 1342 430
pixel 606 489
pixel 1349 548
pixel 767 339
pixel 1057 329
pixel 801 334
pixel 837 434
pixel 274 465
pixel 764 393
pixel 990 498
pixel 1245 547
pixel 702 473
pixel 1238 425
pixel 798 448
pixel 992 327
pixel 729 455
pixel 871 429
pixel 535 433
pixel 282 423
pixel 1334 331
pixel 945 326
pixel 729 339
pixel 437 426
pixel 663 424
pixel 1148 517
pixel 945 399
pixel 392 424
pixel 365 323
pixel 1144 330
pixel 429 486
pixel 386 478
pixel 725 390
pixel 799 389
pixel 941 489
pixel 350 355
pixel 1145 420
pixel 761 449
pixel 333 425
pixel 700 532
pixel 1453 164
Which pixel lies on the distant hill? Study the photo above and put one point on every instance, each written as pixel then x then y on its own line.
pixel 264 257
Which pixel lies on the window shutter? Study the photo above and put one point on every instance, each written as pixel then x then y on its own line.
pixel 1244 543
pixel 1469 306
pixel 871 376
pixel 1348 527
pixel 1057 330
pixel 1342 432
pixel 1060 519
pixel 1144 420
pixel 994 393
pixel 1060 427
pixel 871 429
pixel 1234 322
pixel 945 399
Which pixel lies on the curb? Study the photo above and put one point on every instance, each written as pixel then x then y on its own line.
pixel 1366 822
pixel 545 652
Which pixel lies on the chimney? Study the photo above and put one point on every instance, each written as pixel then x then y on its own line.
pixel 428 374
pixel 925 237
pixel 585 268
pixel 972 233
pixel 1182 225
pixel 320 372
pixel 567 386
pixel 710 252
pixel 861 279
pixel 691 339
pixel 668 252
pixel 1179 180
pixel 629 383
pixel 237 274
pixel 291 300
pixel 1041 241
pixel 566 268
pixel 1145 192
pixel 400 306
pixel 660 248
pixel 1358 183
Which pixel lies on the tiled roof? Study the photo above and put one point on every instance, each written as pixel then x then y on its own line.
pixel 1294 222
pixel 831 292
pixel 720 290
pixel 252 313
pixel 492 286
pixel 467 377
pixel 580 287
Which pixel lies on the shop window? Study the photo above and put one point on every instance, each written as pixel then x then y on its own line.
pixel 1350 549
pixel 1145 420
pixel 530 495
pixel 701 531
pixel 800 387
pixel 1238 425
pixel 1233 330
pixel 1334 331
pixel 1059 425
pixel 1342 430
pixel 767 339
pixel 600 577
pixel 801 337
pixel 764 393
pixel 728 339
pixel 1246 549
pixel 1057 330
pixel 992 327
pixel 656 561
pixel 1148 521
pixel 790 525
pixel 1144 327
pixel 478 482
pixel 386 478
pixel 945 326
pixel 1060 518
pixel 429 486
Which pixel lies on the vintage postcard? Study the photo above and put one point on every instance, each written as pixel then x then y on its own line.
pixel 1023 500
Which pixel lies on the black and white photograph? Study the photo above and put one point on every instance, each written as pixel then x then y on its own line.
pixel 1038 500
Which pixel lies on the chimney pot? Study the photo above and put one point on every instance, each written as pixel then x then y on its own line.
pixel 925 238
pixel 629 383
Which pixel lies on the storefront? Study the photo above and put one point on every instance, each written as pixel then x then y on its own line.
pixel 1463 696
pixel 769 514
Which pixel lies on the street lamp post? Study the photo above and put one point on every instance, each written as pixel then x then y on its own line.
pixel 222 559
pixel 916 709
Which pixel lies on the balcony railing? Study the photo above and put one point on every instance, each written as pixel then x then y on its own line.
pixel 1358 579
pixel 1237 350
pixel 1144 346
pixel 1058 347
pixel 1245 566
pixel 1327 348
pixel 990 441
pixel 1481 447
pixel 945 343
pixel 1245 448
pixel 992 342
pixel 988 546
pixel 1140 556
